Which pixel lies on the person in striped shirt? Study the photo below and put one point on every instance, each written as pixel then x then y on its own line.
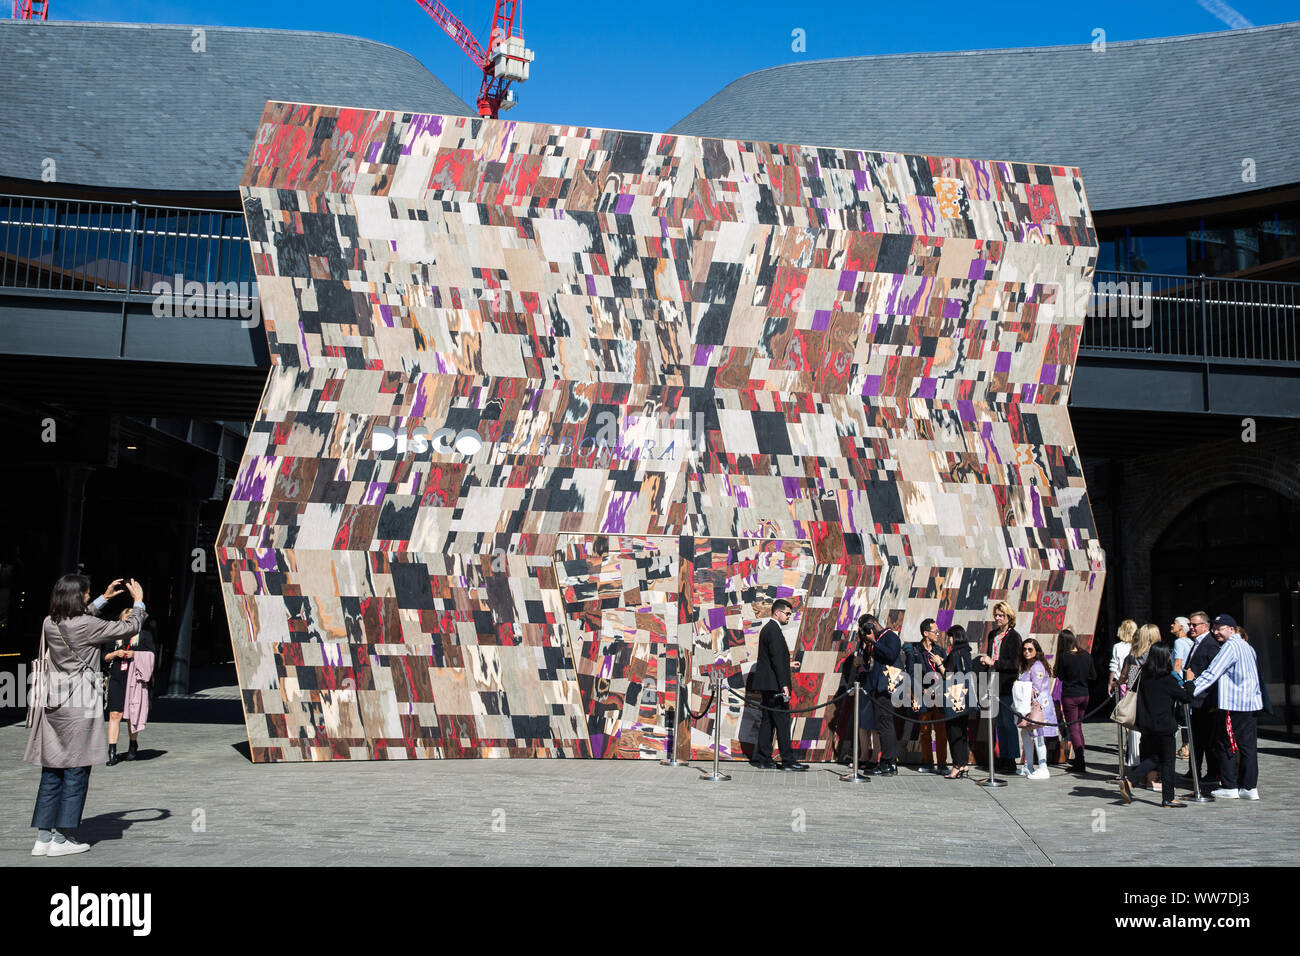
pixel 1235 671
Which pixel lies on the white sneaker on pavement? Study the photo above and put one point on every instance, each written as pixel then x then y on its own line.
pixel 41 849
pixel 67 848
pixel 1022 770
pixel 1249 794
pixel 1224 794
pixel 1040 773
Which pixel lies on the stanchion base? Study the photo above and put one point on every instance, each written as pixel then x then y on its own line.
pixel 673 762
pixel 992 783
pixel 1203 798
pixel 854 778
pixel 714 777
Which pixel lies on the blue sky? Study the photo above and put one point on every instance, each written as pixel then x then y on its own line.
pixel 645 66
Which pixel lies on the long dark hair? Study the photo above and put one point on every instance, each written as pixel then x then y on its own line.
pixel 67 599
pixel 1065 643
pixel 1038 656
pixel 957 634
pixel 1159 662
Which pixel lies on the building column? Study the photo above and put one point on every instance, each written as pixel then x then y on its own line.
pixel 72 481
pixel 178 682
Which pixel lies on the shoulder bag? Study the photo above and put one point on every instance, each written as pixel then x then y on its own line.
pixel 39 692
pixel 1125 712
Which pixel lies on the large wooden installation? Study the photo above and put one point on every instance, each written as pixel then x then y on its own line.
pixel 556 413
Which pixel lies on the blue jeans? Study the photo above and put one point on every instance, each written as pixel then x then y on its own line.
pixel 61 797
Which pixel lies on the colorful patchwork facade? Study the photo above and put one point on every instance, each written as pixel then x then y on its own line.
pixel 556 413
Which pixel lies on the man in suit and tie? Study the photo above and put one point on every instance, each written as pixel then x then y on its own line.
pixel 772 679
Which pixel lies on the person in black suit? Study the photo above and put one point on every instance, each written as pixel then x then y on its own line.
pixel 772 680
pixel 1001 657
pixel 1206 718
pixel 885 653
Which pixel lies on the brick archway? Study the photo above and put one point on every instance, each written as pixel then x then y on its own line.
pixel 1158 489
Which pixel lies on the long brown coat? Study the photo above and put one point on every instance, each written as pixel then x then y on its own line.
pixel 70 731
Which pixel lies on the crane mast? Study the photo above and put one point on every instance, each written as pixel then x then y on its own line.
pixel 505 61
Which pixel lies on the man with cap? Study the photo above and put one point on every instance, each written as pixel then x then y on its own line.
pixel 1182 650
pixel 1237 674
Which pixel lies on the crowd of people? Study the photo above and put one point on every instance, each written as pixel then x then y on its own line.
pixel 102 653
pixel 1201 683
pixel 97 656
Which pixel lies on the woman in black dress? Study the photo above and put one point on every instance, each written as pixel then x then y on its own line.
pixel 117 662
pixel 956 665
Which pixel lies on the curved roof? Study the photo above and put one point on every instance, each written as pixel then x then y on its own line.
pixel 1148 121
pixel 134 106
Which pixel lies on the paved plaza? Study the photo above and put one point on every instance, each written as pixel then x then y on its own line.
pixel 197 800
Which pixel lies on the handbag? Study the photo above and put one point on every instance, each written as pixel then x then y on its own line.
pixel 39 693
pixel 1125 712
pixel 1026 704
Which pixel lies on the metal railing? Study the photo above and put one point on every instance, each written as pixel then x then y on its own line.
pixel 118 248
pixel 126 248
pixel 1204 317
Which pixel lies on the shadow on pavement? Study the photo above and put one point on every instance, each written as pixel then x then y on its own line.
pixel 111 826
pixel 1292 752
pixel 243 750
pixel 189 710
pixel 140 755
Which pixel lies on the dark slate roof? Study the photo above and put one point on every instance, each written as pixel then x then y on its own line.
pixel 1148 121
pixel 132 106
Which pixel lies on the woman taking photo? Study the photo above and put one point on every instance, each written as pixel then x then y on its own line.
pixel 67 736
pixel 1157 691
pixel 1074 669
pixel 1040 722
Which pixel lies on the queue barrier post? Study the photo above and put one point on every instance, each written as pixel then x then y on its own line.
pixel 987 703
pixel 716 776
pixel 1119 771
pixel 856 777
pixel 1197 796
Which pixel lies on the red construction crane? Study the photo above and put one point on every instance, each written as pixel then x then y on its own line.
pixel 28 9
pixel 505 60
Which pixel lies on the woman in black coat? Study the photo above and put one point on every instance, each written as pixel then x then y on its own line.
pixel 1157 691
pixel 955 666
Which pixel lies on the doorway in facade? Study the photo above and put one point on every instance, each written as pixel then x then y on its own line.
pixel 1234 551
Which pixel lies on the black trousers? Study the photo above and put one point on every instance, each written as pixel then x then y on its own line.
pixel 1008 735
pixel 1244 724
pixel 958 741
pixel 1157 752
pixel 885 727
pixel 778 718
pixel 1205 735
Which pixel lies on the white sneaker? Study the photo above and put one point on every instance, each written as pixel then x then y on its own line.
pixel 1224 794
pixel 1022 770
pixel 41 849
pixel 1040 773
pixel 67 848
pixel 1249 794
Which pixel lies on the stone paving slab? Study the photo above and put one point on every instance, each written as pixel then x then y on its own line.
pixel 561 812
